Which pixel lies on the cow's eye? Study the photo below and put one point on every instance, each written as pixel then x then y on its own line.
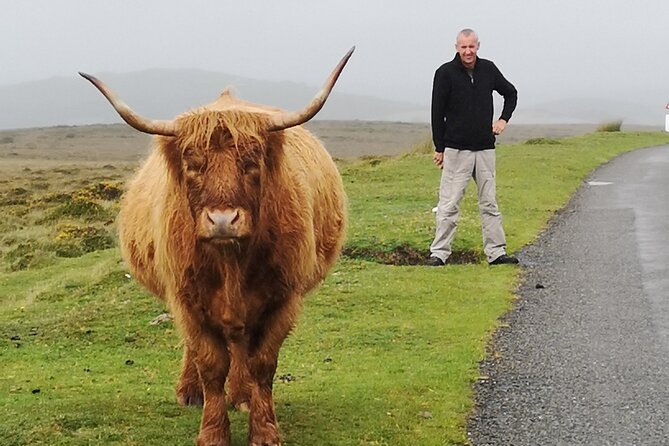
pixel 250 168
pixel 251 172
pixel 193 168
pixel 193 162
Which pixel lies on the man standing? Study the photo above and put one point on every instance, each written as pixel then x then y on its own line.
pixel 463 133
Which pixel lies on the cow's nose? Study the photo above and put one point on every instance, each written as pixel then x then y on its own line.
pixel 227 223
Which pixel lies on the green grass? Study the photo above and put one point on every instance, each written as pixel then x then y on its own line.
pixel 381 355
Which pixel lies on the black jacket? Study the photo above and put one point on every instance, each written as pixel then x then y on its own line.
pixel 462 108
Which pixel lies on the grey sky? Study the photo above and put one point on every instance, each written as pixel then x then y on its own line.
pixel 550 49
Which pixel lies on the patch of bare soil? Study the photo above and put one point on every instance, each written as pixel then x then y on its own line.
pixel 406 255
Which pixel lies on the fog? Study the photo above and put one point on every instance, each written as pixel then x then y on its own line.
pixel 567 54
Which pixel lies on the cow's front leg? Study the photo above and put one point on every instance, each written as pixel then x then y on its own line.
pixel 213 362
pixel 189 387
pixel 263 356
pixel 239 381
pixel 263 426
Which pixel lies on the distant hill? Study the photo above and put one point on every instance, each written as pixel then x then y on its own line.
pixel 163 94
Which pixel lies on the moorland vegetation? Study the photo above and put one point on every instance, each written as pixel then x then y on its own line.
pixel 386 351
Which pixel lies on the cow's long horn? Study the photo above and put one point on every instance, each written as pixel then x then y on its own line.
pixel 287 120
pixel 152 127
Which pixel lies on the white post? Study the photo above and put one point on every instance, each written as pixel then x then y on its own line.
pixel 666 119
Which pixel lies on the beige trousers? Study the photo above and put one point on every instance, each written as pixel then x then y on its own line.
pixel 458 168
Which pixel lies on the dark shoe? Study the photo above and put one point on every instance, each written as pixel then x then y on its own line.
pixel 504 260
pixel 435 261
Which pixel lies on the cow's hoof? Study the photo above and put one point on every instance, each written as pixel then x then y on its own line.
pixel 212 440
pixel 211 443
pixel 243 407
pixel 268 438
pixel 239 402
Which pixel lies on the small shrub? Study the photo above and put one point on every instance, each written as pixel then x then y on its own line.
pixel 18 209
pixel 85 194
pixel 106 191
pixel 612 126
pixel 70 232
pixel 374 160
pixel 67 249
pixel 13 201
pixel 74 241
pixel 97 241
pixel 21 249
pixel 19 191
pixel 6 140
pixel 100 191
pixel 21 263
pixel 27 254
pixel 55 198
pixel 79 208
pixel 15 196
pixel 68 172
pixel 40 185
pixel 7 240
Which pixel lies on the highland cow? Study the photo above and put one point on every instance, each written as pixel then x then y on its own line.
pixel 237 213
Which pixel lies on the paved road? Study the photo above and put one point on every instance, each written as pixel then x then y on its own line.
pixel 585 357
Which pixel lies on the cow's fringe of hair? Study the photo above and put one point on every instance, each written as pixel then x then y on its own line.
pixel 207 128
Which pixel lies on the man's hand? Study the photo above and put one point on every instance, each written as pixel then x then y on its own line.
pixel 438 159
pixel 498 126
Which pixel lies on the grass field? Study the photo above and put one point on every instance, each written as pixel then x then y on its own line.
pixel 385 352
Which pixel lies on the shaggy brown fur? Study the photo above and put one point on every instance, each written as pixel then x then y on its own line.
pixel 235 299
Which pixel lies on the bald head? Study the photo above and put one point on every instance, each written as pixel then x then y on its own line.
pixel 467 45
pixel 467 32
